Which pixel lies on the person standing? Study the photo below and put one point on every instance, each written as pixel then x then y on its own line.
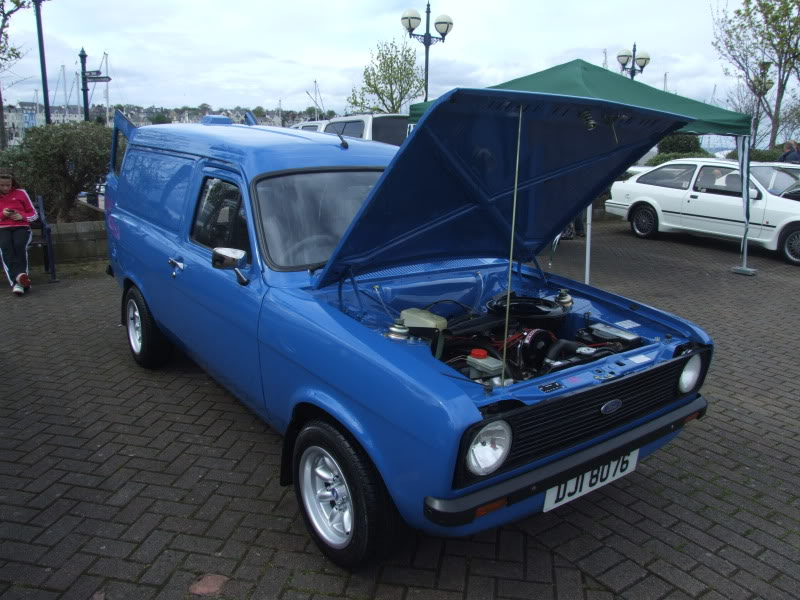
pixel 790 153
pixel 16 214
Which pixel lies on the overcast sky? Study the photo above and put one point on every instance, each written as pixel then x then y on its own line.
pixel 241 52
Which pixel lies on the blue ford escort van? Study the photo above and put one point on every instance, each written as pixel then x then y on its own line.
pixel 384 310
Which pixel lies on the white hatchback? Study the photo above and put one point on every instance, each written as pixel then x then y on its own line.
pixel 703 196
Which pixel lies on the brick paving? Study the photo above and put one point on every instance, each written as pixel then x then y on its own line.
pixel 121 483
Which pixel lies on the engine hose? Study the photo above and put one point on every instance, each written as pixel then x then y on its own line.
pixel 559 346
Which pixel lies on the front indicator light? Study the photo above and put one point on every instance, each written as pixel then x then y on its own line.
pixel 690 374
pixel 489 448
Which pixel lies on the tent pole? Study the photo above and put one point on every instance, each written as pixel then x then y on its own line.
pixel 588 262
pixel 743 149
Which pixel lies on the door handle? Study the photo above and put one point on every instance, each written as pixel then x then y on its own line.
pixel 175 263
pixel 693 196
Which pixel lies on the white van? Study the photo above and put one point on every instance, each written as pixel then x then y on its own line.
pixel 387 128
pixel 310 125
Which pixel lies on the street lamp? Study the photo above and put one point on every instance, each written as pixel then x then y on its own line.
pixel 443 24
pixel 37 6
pixel 626 57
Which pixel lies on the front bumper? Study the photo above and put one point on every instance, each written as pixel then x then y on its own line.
pixel 464 510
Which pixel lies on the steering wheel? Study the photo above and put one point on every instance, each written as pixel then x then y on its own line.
pixel 301 247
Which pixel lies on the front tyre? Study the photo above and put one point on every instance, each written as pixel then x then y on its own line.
pixel 148 345
pixel 344 503
pixel 644 221
pixel 789 245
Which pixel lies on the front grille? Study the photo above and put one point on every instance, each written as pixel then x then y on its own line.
pixel 565 421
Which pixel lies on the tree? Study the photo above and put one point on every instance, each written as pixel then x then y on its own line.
pixel 391 80
pixel 259 112
pixel 160 119
pixel 59 161
pixel 330 114
pixel 761 43
pixel 8 53
pixel 204 109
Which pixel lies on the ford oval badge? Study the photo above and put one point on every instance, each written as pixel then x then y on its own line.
pixel 611 406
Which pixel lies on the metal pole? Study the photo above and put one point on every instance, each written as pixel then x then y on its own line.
pixel 37 4
pixel 85 85
pixel 633 62
pixel 588 263
pixel 427 44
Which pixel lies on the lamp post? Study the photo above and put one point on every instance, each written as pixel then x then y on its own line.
pixel 626 57
pixel 37 5
pixel 443 24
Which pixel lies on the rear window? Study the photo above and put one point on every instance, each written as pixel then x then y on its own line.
pixel 390 130
pixel 671 176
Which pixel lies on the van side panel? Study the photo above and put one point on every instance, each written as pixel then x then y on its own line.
pixel 161 181
pixel 149 207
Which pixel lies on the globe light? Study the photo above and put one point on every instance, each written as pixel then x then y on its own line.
pixel 411 20
pixel 444 25
pixel 624 57
pixel 642 59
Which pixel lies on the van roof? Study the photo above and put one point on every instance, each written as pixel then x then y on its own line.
pixel 259 149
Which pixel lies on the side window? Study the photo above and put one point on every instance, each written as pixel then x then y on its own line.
pixel 310 128
pixel 122 146
pixel 718 180
pixel 354 129
pixel 335 127
pixel 221 221
pixel 671 176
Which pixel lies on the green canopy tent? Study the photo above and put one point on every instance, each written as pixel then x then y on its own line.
pixel 584 80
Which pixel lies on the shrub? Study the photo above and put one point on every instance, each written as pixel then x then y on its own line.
pixel 759 154
pixel 679 143
pixel 59 161
pixel 662 158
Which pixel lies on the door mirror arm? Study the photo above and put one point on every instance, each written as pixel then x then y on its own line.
pixel 230 259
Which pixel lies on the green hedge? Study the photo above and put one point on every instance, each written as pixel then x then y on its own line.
pixel 759 155
pixel 659 159
pixel 683 143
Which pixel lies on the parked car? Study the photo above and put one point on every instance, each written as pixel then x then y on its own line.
pixel 373 306
pixel 386 128
pixel 704 196
pixel 310 125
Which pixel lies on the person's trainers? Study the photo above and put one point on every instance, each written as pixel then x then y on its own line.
pixel 17 289
pixel 24 280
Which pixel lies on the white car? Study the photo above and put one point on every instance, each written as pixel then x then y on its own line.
pixel 700 195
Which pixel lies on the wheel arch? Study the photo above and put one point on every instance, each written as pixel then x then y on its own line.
pixel 643 201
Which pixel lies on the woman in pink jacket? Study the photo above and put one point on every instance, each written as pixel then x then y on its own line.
pixel 16 213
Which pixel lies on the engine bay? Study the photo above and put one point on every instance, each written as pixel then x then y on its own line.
pixel 478 345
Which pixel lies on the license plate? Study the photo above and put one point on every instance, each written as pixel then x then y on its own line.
pixel 590 480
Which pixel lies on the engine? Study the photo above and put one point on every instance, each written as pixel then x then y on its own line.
pixel 534 343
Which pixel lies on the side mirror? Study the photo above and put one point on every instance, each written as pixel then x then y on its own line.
pixel 230 259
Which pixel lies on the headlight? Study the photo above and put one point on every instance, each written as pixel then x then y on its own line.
pixel 690 374
pixel 489 448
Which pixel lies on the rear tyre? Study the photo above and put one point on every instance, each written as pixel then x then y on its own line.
pixel 148 345
pixel 789 245
pixel 344 503
pixel 644 221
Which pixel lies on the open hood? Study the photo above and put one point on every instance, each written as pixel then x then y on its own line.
pixel 448 192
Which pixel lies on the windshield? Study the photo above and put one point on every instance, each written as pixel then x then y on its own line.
pixel 775 179
pixel 390 130
pixel 305 214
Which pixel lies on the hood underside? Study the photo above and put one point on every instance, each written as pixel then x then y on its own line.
pixel 449 191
